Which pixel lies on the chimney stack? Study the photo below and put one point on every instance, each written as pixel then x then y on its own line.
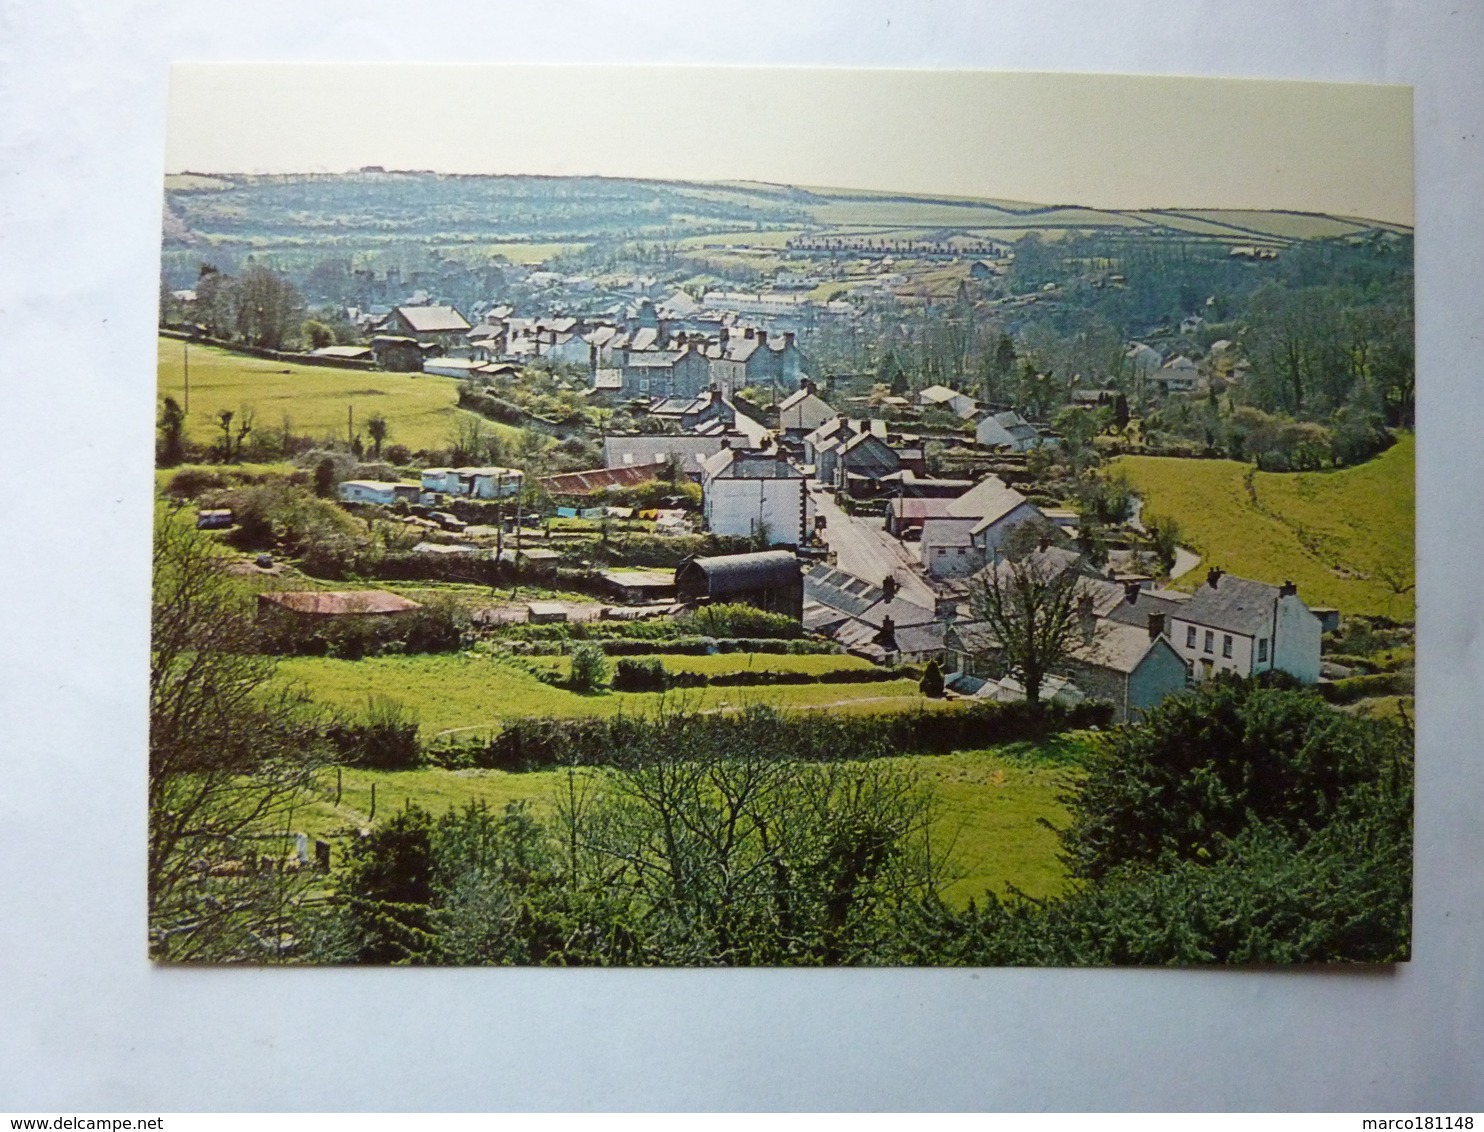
pixel 788 339
pixel 1288 589
pixel 888 588
pixel 1043 543
pixel 748 333
pixel 1213 576
pixel 1131 592
pixel 945 609
pixel 1156 625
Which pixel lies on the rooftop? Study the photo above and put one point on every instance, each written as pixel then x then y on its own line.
pixel 339 602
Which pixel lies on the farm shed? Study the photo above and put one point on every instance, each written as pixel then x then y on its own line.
pixel 770 580
pixel 545 612
pixel 311 604
pixel 639 585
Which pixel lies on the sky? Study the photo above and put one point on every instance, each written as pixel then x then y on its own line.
pixel 1098 140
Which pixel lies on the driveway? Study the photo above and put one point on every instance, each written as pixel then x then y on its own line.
pixel 863 548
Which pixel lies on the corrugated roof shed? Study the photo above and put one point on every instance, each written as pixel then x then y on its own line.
pixel 739 573
pixel 339 602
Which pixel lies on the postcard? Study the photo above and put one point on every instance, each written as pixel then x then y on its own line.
pixel 780 517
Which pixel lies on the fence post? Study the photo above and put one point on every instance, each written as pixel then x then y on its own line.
pixel 373 801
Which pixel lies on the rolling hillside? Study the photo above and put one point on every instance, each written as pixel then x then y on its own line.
pixel 420 410
pixel 1346 537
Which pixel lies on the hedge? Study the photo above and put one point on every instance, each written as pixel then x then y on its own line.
pixel 536 742
pixel 1353 688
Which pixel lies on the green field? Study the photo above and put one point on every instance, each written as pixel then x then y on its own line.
pixel 1346 537
pixel 420 410
pixel 989 805
pixel 469 693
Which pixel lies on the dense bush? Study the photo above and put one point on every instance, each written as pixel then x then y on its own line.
pixel 535 742
pixel 932 681
pixel 640 676
pixel 589 670
pixel 737 621
pixel 1204 766
pixel 385 738
pixel 1353 688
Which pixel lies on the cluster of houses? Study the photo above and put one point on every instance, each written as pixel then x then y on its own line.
pixel 1131 646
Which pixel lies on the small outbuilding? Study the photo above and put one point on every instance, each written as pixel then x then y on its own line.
pixel 770 580
pixel 325 604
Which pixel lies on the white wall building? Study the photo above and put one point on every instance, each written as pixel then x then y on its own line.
pixel 752 494
pixel 377 491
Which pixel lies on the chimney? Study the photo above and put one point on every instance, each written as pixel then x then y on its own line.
pixel 788 339
pixel 1213 576
pixel 680 340
pixel 748 332
pixel 1085 618
pixel 1156 626
pixel 1288 589
pixel 887 636
pixel 1131 592
pixel 888 588
pixel 1043 543
pixel 945 609
pixel 725 334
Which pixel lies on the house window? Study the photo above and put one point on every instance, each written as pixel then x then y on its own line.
pixel 1190 636
pixel 1262 651
pixel 1210 641
pixel 1226 645
pixel 942 550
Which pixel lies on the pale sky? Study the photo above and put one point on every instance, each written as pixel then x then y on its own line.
pixel 1097 140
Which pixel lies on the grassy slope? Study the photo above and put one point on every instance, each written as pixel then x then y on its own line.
pixel 1334 533
pixel 472 693
pixel 420 410
pixel 988 811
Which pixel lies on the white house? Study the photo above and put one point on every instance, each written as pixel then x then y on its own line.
pixel 756 494
pixel 1178 375
pixel 1006 430
pixel 378 491
pixel 1235 625
pixel 973 527
pixel 941 397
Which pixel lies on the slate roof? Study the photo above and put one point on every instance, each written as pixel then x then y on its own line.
pixel 731 463
pixel 1234 605
pixel 1114 646
pixel 859 600
pixel 990 498
pixel 433 320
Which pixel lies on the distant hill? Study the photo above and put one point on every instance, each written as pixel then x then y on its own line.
pixel 375 209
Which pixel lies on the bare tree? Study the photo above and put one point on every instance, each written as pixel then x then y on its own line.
pixel 1030 605
pixel 229 762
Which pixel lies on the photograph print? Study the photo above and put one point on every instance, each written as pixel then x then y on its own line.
pixel 742 517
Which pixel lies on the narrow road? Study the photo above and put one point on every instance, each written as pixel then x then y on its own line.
pixel 863 548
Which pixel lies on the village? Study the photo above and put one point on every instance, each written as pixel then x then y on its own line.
pixel 856 541
pixel 948 524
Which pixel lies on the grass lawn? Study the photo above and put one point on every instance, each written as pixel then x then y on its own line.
pixel 1344 536
pixel 420 410
pixel 730 662
pixel 989 806
pixel 470 693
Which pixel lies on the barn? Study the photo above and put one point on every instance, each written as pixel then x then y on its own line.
pixel 770 580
